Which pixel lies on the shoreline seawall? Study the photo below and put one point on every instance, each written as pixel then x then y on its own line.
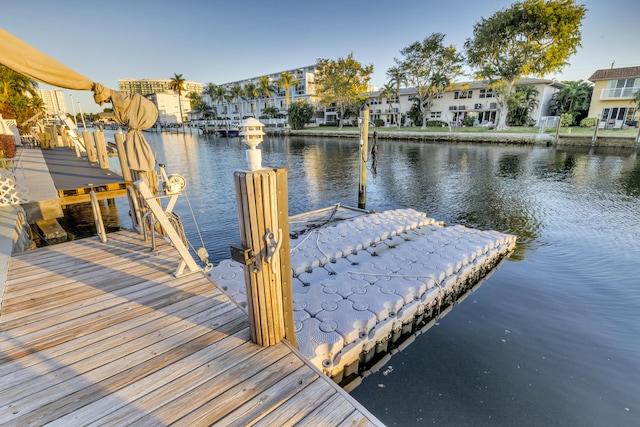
pixel 472 137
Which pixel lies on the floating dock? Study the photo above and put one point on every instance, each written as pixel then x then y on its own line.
pixel 365 284
pixel 98 333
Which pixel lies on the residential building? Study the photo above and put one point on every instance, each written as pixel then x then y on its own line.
pixel 168 107
pixel 476 99
pixel 53 100
pixel 242 106
pixel 149 86
pixel 612 99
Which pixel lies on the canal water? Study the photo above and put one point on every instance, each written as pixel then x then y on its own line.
pixel 552 338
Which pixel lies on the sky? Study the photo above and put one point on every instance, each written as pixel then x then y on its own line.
pixel 221 41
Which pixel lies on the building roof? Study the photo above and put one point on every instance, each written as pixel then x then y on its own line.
pixel 615 73
pixel 479 84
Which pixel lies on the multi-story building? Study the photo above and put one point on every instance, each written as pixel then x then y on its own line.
pixel 166 100
pixel 53 100
pixel 612 99
pixel 245 105
pixel 149 86
pixel 476 99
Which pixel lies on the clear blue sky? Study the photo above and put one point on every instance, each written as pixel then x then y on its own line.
pixel 220 41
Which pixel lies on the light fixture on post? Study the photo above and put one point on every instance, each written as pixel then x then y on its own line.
pixel 252 133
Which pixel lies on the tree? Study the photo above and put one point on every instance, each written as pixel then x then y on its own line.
pixel 287 80
pixel 344 82
pixel 236 92
pixel 251 93
pixel 388 91
pixel 440 83
pixel 531 38
pixel 300 113
pixel 18 97
pixel 397 79
pixel 421 61
pixel 265 86
pixel 521 104
pixel 574 98
pixel 177 83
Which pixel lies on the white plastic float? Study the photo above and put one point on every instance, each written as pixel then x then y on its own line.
pixel 364 285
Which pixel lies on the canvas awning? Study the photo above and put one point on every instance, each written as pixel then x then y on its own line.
pixel 135 111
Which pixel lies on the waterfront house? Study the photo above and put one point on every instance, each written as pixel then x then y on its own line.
pixel 612 100
pixel 475 99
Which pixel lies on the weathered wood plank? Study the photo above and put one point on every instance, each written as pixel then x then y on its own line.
pixel 298 406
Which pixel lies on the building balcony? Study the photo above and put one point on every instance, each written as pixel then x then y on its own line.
pixel 619 93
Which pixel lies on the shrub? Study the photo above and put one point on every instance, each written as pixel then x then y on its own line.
pixel 468 121
pixel 7 147
pixel 378 122
pixel 566 119
pixel 588 122
pixel 300 113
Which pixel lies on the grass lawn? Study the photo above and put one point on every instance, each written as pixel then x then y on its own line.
pixel 575 130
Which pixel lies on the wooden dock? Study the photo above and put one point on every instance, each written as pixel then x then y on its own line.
pixel 104 334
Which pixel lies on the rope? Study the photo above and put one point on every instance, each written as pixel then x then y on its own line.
pixel 202 251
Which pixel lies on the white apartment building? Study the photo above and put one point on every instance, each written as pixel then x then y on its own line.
pixel 53 100
pixel 475 98
pixel 168 107
pixel 243 106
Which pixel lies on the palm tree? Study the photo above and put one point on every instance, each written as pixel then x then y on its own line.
pixel 397 79
pixel 13 83
pixel 440 83
pixel 210 90
pixel 388 91
pixel 521 103
pixel 573 98
pixel 251 93
pixel 286 81
pixel 177 83
pixel 265 86
pixel 236 92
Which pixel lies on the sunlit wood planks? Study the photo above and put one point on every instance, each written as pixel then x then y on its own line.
pixel 103 334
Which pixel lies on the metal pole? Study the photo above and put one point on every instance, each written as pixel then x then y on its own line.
pixel 364 151
pixel 73 108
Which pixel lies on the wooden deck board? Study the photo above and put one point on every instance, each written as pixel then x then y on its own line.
pixel 103 334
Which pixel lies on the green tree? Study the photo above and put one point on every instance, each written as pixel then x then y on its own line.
pixel 440 83
pixel 236 93
pixel 388 92
pixel 521 104
pixel 177 83
pixel 18 97
pixel 251 93
pixel 397 79
pixel 266 87
pixel 210 89
pixel 344 82
pixel 531 38
pixel 287 80
pixel 300 113
pixel 421 61
pixel 573 98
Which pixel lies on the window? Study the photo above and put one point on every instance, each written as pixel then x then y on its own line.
pixel 436 114
pixel 487 93
pixel 462 94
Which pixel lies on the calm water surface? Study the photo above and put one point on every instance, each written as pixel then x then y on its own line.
pixel 552 338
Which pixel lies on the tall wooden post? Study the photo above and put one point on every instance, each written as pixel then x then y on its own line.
pixel 285 256
pixel 92 156
pixel 364 152
pixel 594 138
pixel 261 237
pixel 122 156
pixel 101 148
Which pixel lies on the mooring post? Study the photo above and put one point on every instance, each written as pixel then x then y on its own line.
pixel 558 124
pixel 122 156
pixel 635 145
pixel 101 149
pixel 264 243
pixel 594 138
pixel 364 151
